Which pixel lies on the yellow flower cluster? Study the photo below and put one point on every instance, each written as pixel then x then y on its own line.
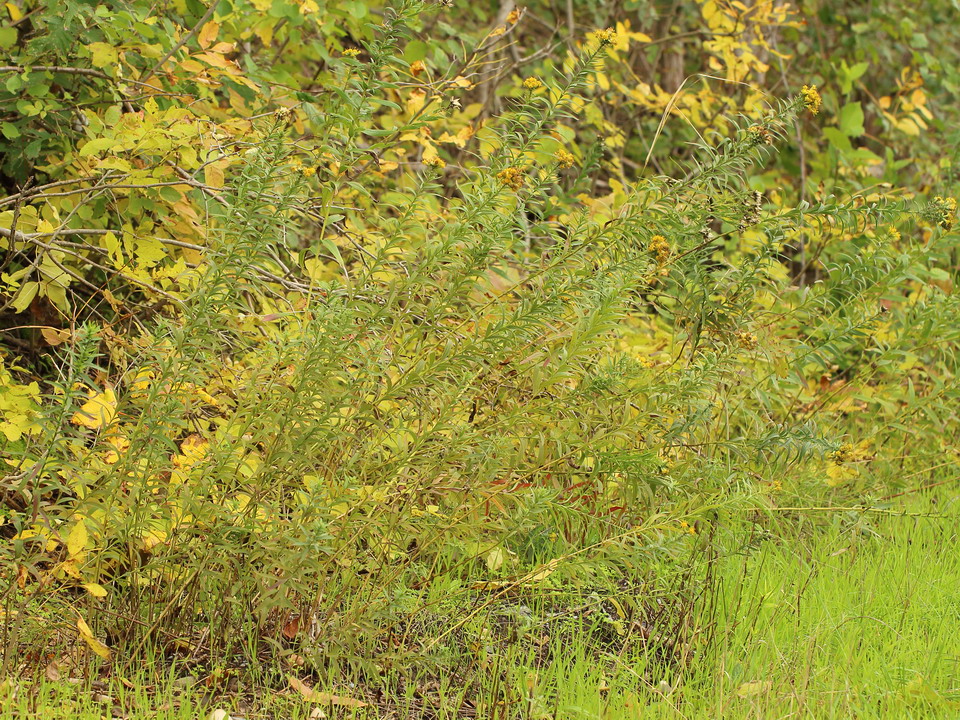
pixel 746 340
pixel 306 170
pixel 435 161
pixel 564 158
pixel 659 246
pixel 811 98
pixel 532 83
pixel 759 135
pixel 944 211
pixel 606 37
pixel 351 52
pixel 842 454
pixel 511 177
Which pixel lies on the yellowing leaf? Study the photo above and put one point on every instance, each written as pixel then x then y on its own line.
pixel 54 336
pixel 152 538
pixel 95 590
pixel 495 559
pixel 215 60
pixel 751 689
pixel 98 411
pixel 97 145
pixel 416 100
pixel 87 634
pixel 28 291
pixel 192 449
pixel 213 174
pixel 77 540
pixel 207 34
pixel 103 54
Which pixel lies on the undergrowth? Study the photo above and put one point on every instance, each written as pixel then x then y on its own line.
pixel 445 442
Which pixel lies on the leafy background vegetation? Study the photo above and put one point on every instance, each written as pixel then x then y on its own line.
pixel 474 359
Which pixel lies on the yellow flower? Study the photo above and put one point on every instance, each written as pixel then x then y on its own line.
pixel 944 211
pixel 811 98
pixel 434 160
pixel 511 177
pixel 759 135
pixel 659 246
pixel 842 454
pixel 351 52
pixel 532 83
pixel 606 37
pixel 564 159
pixel 746 340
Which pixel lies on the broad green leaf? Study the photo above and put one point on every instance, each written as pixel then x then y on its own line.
pixel 851 119
pixel 8 36
pixel 97 145
pixel 26 295
pixel 415 50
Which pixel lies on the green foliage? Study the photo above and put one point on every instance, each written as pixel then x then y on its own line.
pixel 315 310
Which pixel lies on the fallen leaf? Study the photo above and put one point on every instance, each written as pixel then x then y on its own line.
pixel 311 695
pixel 291 629
pixel 495 559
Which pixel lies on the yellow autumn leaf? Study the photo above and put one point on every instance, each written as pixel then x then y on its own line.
pixel 431 156
pixel 72 568
pixel 117 444
pixel 98 411
pixel 77 540
pixel 95 589
pixel 213 174
pixel 152 538
pixel 495 559
pixel 192 450
pixel 208 34
pixel 416 101
pixel 54 336
pixel 87 634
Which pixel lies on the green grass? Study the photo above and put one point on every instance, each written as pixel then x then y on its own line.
pixel 829 615
pixel 858 619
